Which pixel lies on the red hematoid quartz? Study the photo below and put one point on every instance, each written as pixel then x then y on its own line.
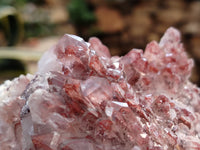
pixel 81 98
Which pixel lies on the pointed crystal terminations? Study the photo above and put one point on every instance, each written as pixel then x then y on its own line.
pixel 82 98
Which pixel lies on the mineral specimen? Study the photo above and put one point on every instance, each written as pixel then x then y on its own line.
pixel 81 98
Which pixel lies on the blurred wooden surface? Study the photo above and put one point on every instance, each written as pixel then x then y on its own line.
pixel 18 53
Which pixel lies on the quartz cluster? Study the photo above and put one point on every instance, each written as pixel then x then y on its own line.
pixel 81 98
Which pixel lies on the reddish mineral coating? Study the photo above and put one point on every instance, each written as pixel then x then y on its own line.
pixel 81 98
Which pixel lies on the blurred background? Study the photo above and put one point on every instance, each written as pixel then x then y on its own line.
pixel 29 27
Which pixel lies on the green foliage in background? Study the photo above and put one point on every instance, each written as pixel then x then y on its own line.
pixel 38 29
pixel 15 3
pixel 11 68
pixel 79 13
pixel 19 3
pixel 11 25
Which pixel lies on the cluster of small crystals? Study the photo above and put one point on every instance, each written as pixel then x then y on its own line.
pixel 81 98
pixel 10 108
